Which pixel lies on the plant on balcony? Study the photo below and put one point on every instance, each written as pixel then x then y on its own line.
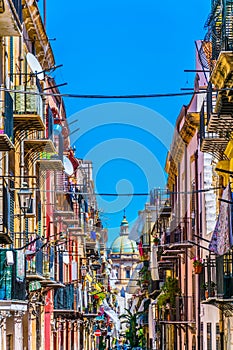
pixel 169 292
pixel 197 264
pixel 144 276
pixel 99 293
pixel 209 288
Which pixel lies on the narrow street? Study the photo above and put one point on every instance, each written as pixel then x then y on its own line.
pixel 116 220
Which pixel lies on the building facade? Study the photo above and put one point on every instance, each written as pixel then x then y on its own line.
pixel 52 243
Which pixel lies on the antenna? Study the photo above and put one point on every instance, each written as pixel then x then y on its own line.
pixel 35 66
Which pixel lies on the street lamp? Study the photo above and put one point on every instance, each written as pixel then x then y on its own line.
pixel 25 198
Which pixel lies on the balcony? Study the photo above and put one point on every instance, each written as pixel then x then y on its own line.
pixel 64 205
pixel 10 17
pixel 49 164
pixel 38 145
pixel 224 275
pixel 28 109
pixel 75 228
pixel 12 277
pixel 215 132
pixel 182 312
pixel 216 279
pixel 214 143
pixel 48 271
pixel 64 298
pixel 35 258
pixel 222 75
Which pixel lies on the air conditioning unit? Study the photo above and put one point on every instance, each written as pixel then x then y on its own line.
pixel 31 212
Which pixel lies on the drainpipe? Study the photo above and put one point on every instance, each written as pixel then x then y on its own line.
pixel 197 226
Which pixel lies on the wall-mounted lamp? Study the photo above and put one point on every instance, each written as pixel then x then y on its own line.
pixel 25 198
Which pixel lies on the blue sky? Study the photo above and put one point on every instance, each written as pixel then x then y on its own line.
pixel 124 47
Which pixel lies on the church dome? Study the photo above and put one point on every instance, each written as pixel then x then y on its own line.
pixel 123 245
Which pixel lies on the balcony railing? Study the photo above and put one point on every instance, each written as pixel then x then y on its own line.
pixel 214 143
pixel 224 276
pixel 28 108
pixel 35 260
pixel 12 277
pixel 183 311
pixel 216 279
pixel 219 25
pixel 10 17
pixel 64 298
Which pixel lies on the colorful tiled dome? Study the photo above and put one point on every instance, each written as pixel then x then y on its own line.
pixel 123 245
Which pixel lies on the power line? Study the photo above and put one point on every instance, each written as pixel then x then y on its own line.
pixel 98 96
pixel 160 191
pixel 164 191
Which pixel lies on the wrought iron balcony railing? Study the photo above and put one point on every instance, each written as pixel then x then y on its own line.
pixel 12 276
pixel 64 298
pixel 182 311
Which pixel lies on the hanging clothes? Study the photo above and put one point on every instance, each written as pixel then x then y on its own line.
pixel 154 263
pixel 222 234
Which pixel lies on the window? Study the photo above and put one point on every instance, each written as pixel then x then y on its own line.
pixel 127 274
pixel 209 337
pixel 218 343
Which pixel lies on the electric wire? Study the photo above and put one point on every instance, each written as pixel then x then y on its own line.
pixel 99 96
pixel 162 192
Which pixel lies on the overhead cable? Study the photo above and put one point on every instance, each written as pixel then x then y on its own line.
pixel 99 96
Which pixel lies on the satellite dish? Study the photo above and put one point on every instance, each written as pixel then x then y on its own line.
pixel 35 66
pixel 68 166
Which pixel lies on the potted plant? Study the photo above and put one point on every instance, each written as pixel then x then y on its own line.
pixel 145 276
pixel 169 292
pixel 198 265
pixel 209 288
pixel 204 287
